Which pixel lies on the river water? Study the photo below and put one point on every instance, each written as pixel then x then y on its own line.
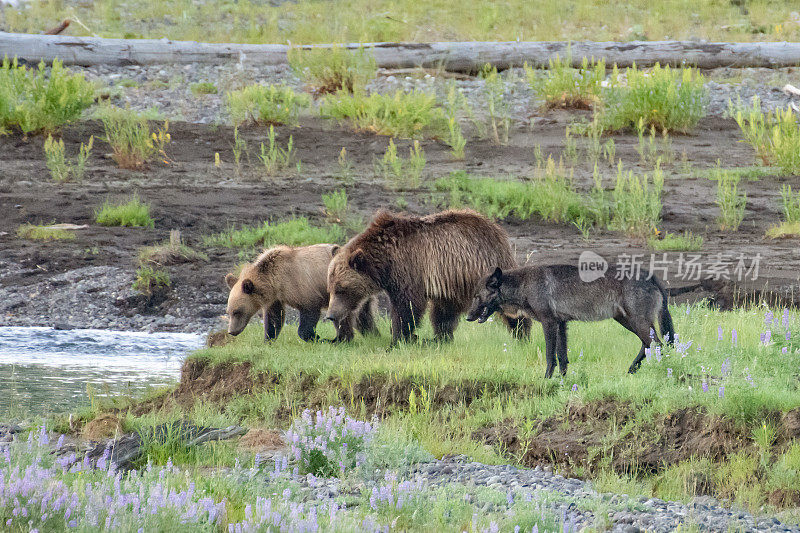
pixel 44 371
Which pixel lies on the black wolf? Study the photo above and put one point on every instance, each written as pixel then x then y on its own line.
pixel 554 295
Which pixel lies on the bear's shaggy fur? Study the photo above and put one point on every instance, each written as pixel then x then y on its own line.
pixel 295 277
pixel 436 259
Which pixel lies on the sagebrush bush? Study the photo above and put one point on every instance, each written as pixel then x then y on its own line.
pixel 132 142
pixel 133 213
pixel 400 114
pixel 565 86
pixel 266 104
pixel 664 98
pixel 328 70
pixel 41 99
pixel 774 136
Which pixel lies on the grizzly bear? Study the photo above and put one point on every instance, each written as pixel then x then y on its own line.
pixel 438 258
pixel 295 277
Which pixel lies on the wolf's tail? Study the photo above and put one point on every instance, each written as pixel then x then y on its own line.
pixel 665 319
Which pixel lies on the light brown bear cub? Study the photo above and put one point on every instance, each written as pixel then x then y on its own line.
pixel 296 277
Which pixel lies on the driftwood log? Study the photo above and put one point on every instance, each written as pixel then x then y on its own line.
pixel 451 56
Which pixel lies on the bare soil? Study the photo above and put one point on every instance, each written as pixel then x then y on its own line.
pixel 189 193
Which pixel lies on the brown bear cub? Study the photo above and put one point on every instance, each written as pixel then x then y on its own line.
pixel 437 259
pixel 295 277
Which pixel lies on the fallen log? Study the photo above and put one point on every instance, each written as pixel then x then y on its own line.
pixel 450 56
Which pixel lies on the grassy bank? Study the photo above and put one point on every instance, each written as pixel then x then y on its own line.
pixel 717 414
pixel 367 21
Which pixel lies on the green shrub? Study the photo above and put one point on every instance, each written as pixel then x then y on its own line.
pixel 205 87
pixel 132 213
pixel 171 252
pixel 328 70
pixel 60 168
pixel 275 158
pixel 34 100
pixel 292 232
pixel 670 100
pixel 399 115
pixel 399 172
pixel 636 208
pixel 774 136
pixel 150 281
pixel 44 233
pixel 266 104
pixel 335 206
pixel 676 242
pixel 790 204
pixel 565 86
pixel 730 200
pixel 497 107
pixel 129 135
pixel 455 103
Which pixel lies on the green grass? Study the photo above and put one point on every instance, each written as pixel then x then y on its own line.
pixel 292 232
pixel 399 172
pixel 402 114
pixel 335 69
pixel 151 280
pixel 730 200
pixel 565 86
pixel 44 233
pixel 678 242
pixel 637 202
pixel 170 252
pixel 784 230
pixel 253 21
pixel 133 213
pixel 665 98
pixel 790 210
pixel 551 197
pixel 39 99
pixel 266 104
pixel 205 87
pixel 61 169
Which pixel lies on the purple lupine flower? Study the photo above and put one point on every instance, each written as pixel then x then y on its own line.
pixel 719 333
pixel 510 498
pixel 726 367
pixel 788 336
pixel 722 391
pixel 705 386
pixel 574 387
pixel 734 338
pixel 784 350
pixel 669 372
pixel 785 318
pixel 768 318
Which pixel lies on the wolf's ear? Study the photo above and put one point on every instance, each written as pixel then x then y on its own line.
pixel 495 280
pixel 230 280
pixel 248 287
pixel 335 249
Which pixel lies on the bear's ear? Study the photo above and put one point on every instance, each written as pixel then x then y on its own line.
pixel 231 280
pixel 358 261
pixel 495 280
pixel 248 287
pixel 335 249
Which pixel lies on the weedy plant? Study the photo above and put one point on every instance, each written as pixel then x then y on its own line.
pixel 346 174
pixel 676 242
pixel 399 172
pixel 789 226
pixel 133 213
pixel 402 114
pixel 41 99
pixel 335 206
pixel 774 136
pixel 44 233
pixel 636 208
pixel 649 149
pixel 150 281
pixel 266 104
pixel 171 252
pixel 239 148
pixel 131 141
pixel 497 107
pixel 275 158
pixel 565 86
pixel 204 87
pixel 329 70
pixel 730 200
pixel 670 100
pixel 60 168
pixel 455 103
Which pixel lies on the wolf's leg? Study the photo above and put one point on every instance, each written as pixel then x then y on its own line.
pixel 273 321
pixel 550 328
pixel 444 317
pixel 561 347
pixel 520 327
pixel 642 330
pixel 308 323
